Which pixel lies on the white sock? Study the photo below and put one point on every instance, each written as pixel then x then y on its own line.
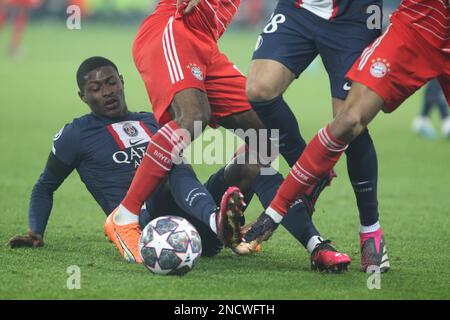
pixel 124 216
pixel 212 222
pixel 446 127
pixel 367 229
pixel 421 122
pixel 274 215
pixel 313 242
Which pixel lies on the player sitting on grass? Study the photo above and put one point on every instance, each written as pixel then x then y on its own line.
pixel 188 81
pixel 106 146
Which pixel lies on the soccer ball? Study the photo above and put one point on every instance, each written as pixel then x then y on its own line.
pixel 170 245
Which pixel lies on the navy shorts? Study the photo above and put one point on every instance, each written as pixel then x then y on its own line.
pixel 295 37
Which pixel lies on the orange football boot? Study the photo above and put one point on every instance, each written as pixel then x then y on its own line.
pixel 125 237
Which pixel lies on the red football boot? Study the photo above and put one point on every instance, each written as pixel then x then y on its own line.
pixel 326 258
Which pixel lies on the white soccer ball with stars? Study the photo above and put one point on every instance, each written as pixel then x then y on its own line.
pixel 170 245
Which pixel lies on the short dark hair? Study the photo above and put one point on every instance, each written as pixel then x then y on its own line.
pixel 90 64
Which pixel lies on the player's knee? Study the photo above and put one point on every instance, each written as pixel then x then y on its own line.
pixel 259 90
pixel 350 125
pixel 241 175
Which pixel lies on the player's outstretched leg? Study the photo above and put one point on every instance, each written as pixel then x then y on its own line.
pixel 262 228
pixel 319 157
pixel 268 80
pixel 298 223
pixel 196 200
pixel 164 149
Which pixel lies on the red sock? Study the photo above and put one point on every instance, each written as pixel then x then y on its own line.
pixel 162 149
pixel 20 23
pixel 319 157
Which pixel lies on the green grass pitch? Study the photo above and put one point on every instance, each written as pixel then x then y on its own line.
pixel 38 95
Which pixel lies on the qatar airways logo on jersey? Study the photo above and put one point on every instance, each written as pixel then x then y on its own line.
pixel 129 156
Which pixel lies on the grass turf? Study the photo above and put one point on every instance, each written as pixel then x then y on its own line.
pixel 38 95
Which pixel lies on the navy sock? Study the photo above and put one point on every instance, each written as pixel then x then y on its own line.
pixel 297 220
pixel 426 109
pixel 443 108
pixel 190 195
pixel 435 96
pixel 362 166
pixel 276 114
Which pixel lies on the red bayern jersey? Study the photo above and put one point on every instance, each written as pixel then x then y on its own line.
pixel 430 18
pixel 215 15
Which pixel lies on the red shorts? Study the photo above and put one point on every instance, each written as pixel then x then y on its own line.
pixel 172 56
pixel 399 63
pixel 24 3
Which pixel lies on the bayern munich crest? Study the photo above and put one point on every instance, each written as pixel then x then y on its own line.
pixel 130 130
pixel 196 71
pixel 379 68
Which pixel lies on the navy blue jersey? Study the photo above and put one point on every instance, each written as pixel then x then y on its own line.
pixel 105 153
pixel 336 9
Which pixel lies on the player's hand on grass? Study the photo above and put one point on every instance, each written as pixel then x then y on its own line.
pixel 29 240
pixel 191 4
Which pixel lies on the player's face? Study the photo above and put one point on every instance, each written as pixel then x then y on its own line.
pixel 104 93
